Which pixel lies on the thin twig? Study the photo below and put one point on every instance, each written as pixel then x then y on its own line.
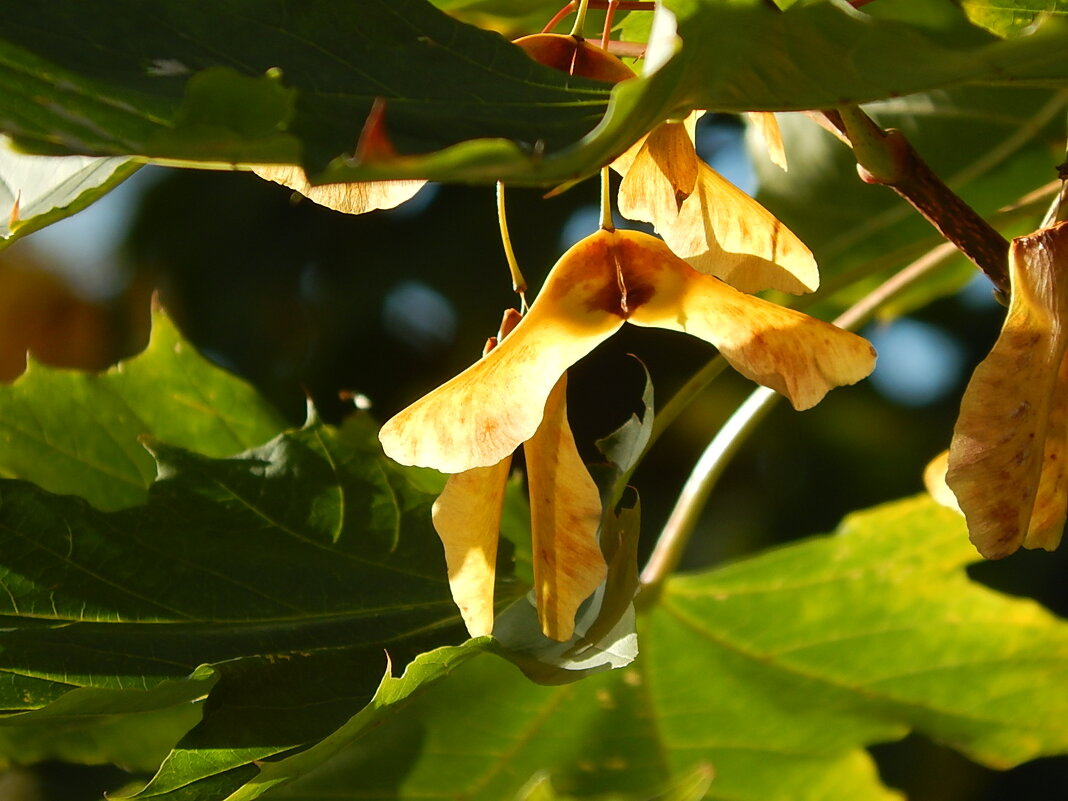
pixel 609 15
pixel 982 165
pixel 694 495
pixel 623 5
pixel 558 17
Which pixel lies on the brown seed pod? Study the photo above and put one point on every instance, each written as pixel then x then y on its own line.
pixel 575 56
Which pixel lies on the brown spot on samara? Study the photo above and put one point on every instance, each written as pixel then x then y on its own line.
pixel 637 276
pixel 608 299
pixel 638 294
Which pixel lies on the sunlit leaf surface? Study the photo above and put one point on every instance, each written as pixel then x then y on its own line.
pixel 775 671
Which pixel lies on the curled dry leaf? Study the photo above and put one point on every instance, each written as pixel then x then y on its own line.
pixel 659 173
pixel 796 355
pixel 708 221
pixel 565 509
pixel 1006 462
pixel 609 278
pixel 515 395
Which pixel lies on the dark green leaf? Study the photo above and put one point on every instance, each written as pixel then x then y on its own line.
pixel 248 81
pixel 129 82
pixel 79 433
pixel 134 741
pixel 291 570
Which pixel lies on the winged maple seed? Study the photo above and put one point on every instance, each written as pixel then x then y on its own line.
pixel 358 197
pixel 565 509
pixel 1007 459
pixel 705 219
pixel 513 394
pixel 766 125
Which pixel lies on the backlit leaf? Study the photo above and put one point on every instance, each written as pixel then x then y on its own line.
pixel 774 671
pixel 36 191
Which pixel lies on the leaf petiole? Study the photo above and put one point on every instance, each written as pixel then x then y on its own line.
pixel 580 18
pixel 606 200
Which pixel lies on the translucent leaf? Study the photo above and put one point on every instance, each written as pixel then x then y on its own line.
pixel 36 191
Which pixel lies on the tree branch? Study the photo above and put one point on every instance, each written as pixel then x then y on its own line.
pixel 887 157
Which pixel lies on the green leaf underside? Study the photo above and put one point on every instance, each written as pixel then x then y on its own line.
pixel 775 671
pixel 50 189
pixel 156 80
pixel 73 432
pixel 291 570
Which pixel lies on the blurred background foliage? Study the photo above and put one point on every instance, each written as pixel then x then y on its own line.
pixel 309 303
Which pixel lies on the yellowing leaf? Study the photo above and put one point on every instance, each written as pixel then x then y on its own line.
pixel 722 231
pixel 565 514
pixel 352 198
pixel 486 412
pixel 1051 500
pixel 1006 463
pixel 467 517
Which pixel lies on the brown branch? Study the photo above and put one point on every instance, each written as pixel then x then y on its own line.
pixel 887 157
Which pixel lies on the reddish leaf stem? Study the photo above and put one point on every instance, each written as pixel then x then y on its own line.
pixel 606 33
pixel 600 5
